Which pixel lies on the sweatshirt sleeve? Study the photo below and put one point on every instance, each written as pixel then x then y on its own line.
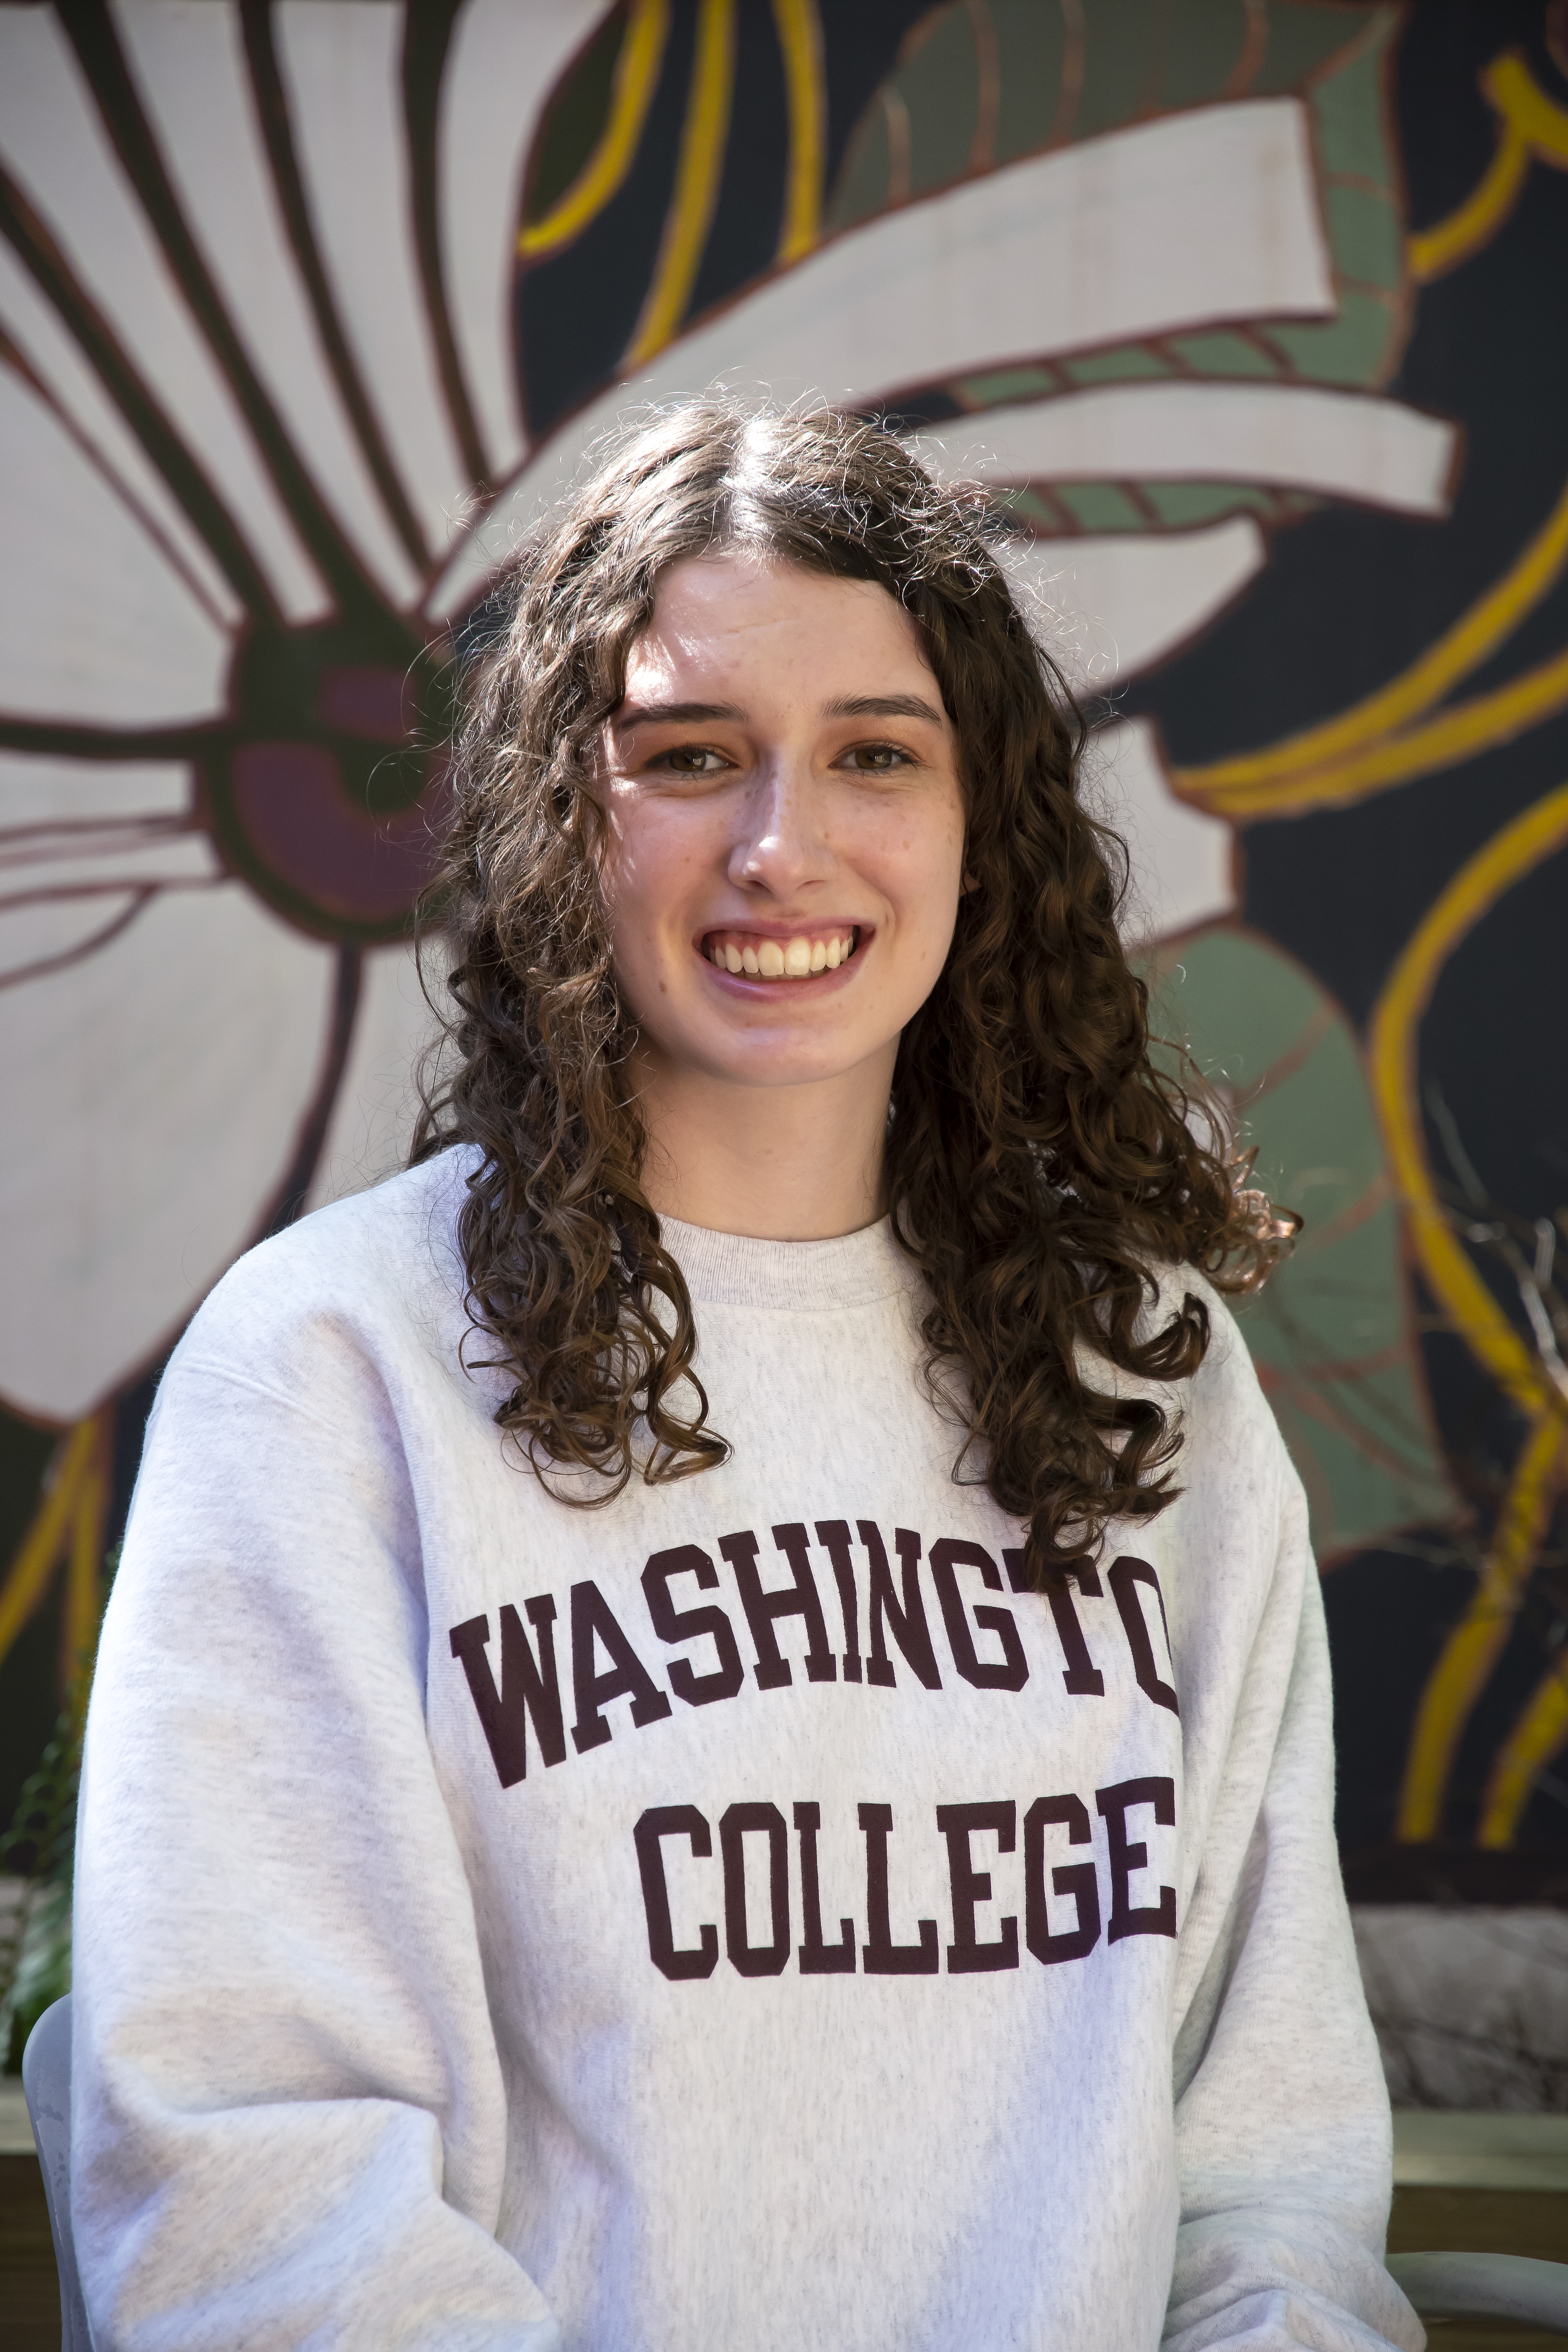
pixel 289 2114
pixel 1283 2134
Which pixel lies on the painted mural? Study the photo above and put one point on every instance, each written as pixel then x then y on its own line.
pixel 1247 312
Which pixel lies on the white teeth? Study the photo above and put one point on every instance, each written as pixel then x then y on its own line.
pixel 795 959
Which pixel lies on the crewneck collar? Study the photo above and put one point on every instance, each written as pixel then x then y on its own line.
pixel 799 1277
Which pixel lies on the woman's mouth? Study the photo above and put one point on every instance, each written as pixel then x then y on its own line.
pixel 769 959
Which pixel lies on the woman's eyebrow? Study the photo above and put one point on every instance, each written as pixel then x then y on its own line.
pixel 885 705
pixel 676 714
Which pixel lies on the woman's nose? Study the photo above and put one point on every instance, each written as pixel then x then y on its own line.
pixel 782 841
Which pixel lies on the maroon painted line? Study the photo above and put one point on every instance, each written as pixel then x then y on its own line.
pixel 82 739
pixel 426 36
pixel 13 356
pixel 41 969
pixel 278 136
pixel 290 1196
pixel 91 31
pixel 40 256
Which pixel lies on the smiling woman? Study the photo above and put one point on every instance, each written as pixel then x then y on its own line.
pixel 797 1176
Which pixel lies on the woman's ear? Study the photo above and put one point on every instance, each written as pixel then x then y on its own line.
pixel 970 882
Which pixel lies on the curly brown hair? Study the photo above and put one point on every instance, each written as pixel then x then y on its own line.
pixel 1040 1166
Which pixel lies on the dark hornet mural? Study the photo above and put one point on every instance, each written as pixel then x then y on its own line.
pixel 1247 313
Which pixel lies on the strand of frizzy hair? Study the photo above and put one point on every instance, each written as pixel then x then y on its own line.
pixel 1040 1166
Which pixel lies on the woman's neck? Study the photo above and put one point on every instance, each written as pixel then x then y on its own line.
pixel 799 1163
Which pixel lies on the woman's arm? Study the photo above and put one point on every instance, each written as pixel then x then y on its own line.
pixel 288 2115
pixel 1283 2125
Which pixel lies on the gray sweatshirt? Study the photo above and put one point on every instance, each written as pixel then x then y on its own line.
pixel 738 1915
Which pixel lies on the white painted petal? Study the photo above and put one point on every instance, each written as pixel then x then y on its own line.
pixel 75 791
pixel 502 65
pixel 1346 445
pixel 1109 607
pixel 154 1093
pixel 1193 219
pixel 54 142
pixel 342 67
pixel 94 623
pixel 1181 859
pixel 55 863
pixel 74 388
pixel 373 1121
pixel 42 936
pixel 190 63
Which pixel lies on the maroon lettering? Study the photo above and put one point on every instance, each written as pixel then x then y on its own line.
pixel 1114 1804
pixel 529 1686
pixel 749 1959
pixel 834 1536
pixel 968 1953
pixel 908 1623
pixel 672 1625
pixel 1081 1675
pixel 1124 1578
pixel 1011 1670
pixel 765 1607
pixel 676 1961
pixel 818 1958
pixel 595 1626
pixel 1075 1879
pixel 880 1955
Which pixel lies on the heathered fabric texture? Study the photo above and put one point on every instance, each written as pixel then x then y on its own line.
pixel 731 1988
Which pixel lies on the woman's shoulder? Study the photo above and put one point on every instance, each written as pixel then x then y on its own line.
pixel 377 1272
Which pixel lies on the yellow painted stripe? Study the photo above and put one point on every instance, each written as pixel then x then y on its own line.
pixel 1535 1740
pixel 1465 1661
pixel 702 141
pixel 1434 251
pixel 1460 650
pixel 84 1574
pixel 1504 860
pixel 800 44
pixel 631 94
pixel 1533 125
pixel 1472 1650
pixel 52 1528
pixel 1453 736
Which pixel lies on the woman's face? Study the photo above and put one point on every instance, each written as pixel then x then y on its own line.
pixel 785 825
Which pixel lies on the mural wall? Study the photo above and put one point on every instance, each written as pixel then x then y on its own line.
pixel 1249 314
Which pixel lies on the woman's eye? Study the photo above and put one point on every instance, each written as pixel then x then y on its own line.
pixel 879 759
pixel 691 759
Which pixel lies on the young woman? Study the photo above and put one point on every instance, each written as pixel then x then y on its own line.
pixel 714 1730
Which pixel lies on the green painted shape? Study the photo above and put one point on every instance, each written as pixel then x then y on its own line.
pixel 1004 385
pixel 1353 1497
pixel 1126 363
pixel 1223 354
pixel 1031 45
pixel 1119 52
pixel 1201 43
pixel 1100 506
pixel 1302 37
pixel 1030 507
pixel 1358 1430
pixel 868 173
pixel 1350 109
pixel 1349 350
pixel 1367 236
pixel 941 87
pixel 1183 506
